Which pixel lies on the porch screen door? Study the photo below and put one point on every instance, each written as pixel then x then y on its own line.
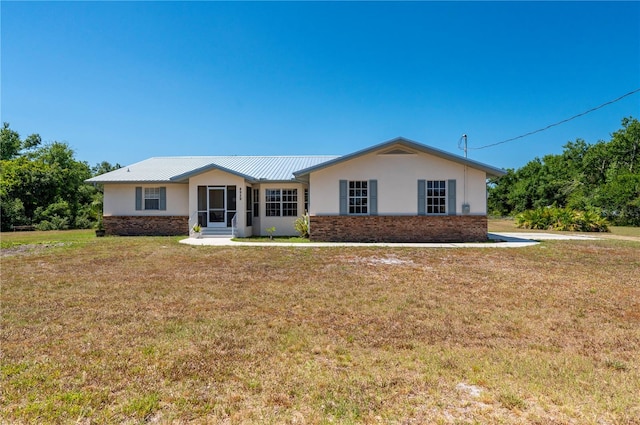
pixel 217 207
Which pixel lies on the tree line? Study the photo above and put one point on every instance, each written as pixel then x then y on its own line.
pixel 603 177
pixel 43 185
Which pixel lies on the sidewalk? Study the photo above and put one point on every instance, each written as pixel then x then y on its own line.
pixel 498 240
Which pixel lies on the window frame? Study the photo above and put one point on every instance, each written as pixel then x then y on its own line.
pixel 281 202
pixel 289 198
pixel 151 194
pixel 439 200
pixel 272 203
pixel 355 194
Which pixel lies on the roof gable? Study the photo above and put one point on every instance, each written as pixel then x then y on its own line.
pixel 400 145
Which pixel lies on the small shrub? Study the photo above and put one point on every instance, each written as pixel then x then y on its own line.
pixel 51 211
pixel 270 231
pixel 83 223
pixel 54 223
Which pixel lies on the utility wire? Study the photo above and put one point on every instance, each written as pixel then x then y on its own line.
pixel 559 122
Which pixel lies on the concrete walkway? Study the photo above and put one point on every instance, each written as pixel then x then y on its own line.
pixel 499 240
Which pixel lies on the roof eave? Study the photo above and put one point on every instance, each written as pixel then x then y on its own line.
pixel 91 180
pixel 292 180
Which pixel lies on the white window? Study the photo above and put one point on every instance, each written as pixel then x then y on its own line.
pixel 273 202
pixel 289 202
pixel 436 196
pixel 281 202
pixel 358 197
pixel 151 198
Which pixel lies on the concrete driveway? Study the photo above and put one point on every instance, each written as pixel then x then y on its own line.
pixel 498 240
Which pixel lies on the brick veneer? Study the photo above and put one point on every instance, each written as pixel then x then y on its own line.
pixel 459 228
pixel 173 225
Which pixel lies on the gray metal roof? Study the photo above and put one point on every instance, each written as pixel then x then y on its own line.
pixel 180 168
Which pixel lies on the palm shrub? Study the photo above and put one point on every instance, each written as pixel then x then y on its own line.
pixel 591 221
pixel 302 226
pixel 539 218
pixel 563 219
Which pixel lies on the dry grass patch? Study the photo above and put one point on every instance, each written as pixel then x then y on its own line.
pixel 132 330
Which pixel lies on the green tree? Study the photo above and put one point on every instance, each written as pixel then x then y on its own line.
pixel 624 147
pixel 28 181
pixel 11 145
pixel 42 184
pixel 104 167
pixel 619 199
pixel 499 189
pixel 604 175
pixel 595 163
pixel 525 191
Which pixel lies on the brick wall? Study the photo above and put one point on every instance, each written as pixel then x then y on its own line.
pixel 146 225
pixel 460 228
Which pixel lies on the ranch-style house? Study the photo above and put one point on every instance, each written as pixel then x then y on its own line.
pixel 396 191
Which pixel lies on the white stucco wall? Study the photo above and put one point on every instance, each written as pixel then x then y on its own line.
pixel 397 177
pixel 283 225
pixel 120 199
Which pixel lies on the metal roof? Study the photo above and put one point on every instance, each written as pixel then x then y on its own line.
pixel 180 168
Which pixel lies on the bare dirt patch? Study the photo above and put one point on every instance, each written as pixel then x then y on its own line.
pixel 389 260
pixel 28 249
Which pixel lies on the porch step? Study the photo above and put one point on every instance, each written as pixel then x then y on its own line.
pixel 216 232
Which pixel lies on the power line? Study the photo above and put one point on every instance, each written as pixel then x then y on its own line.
pixel 559 122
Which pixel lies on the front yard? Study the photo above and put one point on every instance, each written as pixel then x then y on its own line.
pixel 133 330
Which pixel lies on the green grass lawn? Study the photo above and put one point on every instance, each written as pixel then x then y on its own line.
pixel 9 239
pixel 146 330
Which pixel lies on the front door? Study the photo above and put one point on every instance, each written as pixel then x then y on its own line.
pixel 217 208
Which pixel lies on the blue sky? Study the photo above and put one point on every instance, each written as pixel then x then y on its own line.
pixel 124 81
